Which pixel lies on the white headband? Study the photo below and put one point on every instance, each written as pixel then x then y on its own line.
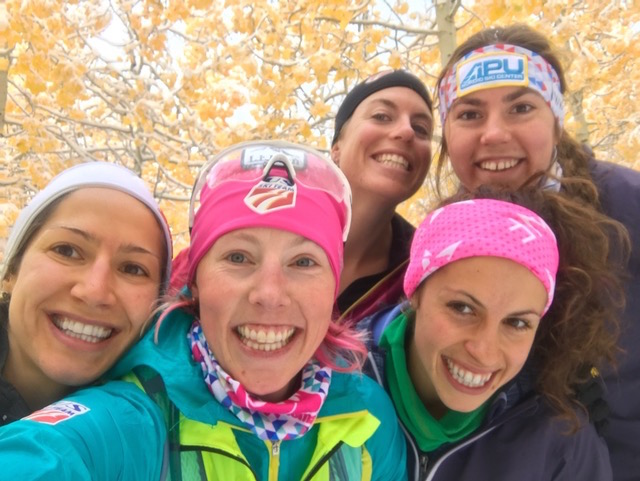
pixel 498 66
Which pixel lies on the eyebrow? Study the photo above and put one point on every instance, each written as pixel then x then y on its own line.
pixel 128 248
pixel 392 105
pixel 511 314
pixel 506 99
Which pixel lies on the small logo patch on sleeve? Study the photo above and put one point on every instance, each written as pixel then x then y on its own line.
pixel 57 412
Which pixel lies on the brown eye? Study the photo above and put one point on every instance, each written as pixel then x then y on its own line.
pixel 66 250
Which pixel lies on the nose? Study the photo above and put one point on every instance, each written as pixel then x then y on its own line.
pixel 496 130
pixel 95 286
pixel 270 288
pixel 483 346
pixel 402 129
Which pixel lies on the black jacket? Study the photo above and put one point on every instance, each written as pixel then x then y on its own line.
pixel 12 406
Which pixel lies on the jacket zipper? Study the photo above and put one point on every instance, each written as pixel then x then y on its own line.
pixel 274 462
pixel 323 460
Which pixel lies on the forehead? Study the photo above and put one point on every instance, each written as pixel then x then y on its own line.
pixel 102 197
pixel 400 98
pixel 499 94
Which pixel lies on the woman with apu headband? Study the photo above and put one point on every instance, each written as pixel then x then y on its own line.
pixel 246 376
pixel 473 360
pixel 502 111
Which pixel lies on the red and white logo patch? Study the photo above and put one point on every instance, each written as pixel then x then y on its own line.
pixel 271 195
pixel 57 412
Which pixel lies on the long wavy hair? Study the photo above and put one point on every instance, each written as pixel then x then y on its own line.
pixel 572 156
pixel 581 328
pixel 342 348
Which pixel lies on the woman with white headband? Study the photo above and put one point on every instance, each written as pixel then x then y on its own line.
pixel 476 360
pixel 83 268
pixel 502 111
pixel 246 376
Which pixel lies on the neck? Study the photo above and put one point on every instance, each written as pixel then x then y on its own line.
pixel 366 251
pixel 423 385
pixel 36 388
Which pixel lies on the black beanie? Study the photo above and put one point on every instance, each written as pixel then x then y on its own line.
pixel 379 81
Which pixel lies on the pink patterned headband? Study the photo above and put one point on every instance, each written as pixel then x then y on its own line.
pixel 483 227
pixel 501 65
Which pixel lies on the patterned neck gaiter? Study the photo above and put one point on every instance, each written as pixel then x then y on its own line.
pixel 280 421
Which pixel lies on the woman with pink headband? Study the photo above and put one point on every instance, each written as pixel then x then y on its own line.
pixel 501 106
pixel 246 376
pixel 496 288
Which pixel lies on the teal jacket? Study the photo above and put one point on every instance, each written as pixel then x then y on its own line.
pixel 120 432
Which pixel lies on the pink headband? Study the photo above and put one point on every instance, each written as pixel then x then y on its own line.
pixel 312 204
pixel 498 66
pixel 483 227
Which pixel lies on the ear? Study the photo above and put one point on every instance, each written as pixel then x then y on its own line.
pixel 335 153
pixel 8 283
pixel 194 290
pixel 414 302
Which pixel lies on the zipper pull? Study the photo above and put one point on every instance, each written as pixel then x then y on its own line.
pixel 275 448
pixel 423 462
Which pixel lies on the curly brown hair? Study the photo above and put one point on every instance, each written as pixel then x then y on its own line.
pixel 581 328
pixel 571 155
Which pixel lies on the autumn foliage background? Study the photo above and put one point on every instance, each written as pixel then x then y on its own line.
pixel 160 86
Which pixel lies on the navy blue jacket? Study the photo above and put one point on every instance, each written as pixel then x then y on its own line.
pixel 619 189
pixel 519 439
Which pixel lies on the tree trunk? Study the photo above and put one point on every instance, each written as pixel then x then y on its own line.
pixel 445 20
pixel 4 68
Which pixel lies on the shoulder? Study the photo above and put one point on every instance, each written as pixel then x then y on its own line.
pixel 356 393
pixel 551 448
pixel 96 432
pixel 619 189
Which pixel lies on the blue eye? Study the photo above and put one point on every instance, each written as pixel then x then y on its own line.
pixel 305 262
pixel 236 257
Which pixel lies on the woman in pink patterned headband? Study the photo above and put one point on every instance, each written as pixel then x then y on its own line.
pixel 496 285
pixel 502 114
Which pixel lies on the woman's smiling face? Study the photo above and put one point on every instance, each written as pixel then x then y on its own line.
pixel 500 136
pixel 476 320
pixel 266 298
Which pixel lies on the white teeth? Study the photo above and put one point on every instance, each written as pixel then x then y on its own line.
pixel 465 377
pixel 498 165
pixel 86 332
pixel 262 340
pixel 393 159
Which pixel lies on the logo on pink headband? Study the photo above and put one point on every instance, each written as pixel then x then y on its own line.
pixel 483 227
pixel 271 195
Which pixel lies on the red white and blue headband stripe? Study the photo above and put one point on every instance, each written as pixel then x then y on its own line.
pixel 501 65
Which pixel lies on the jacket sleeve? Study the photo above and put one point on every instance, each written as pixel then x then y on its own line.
pixel 111 432
pixel 587 459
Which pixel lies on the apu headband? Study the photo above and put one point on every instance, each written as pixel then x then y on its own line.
pixel 501 65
